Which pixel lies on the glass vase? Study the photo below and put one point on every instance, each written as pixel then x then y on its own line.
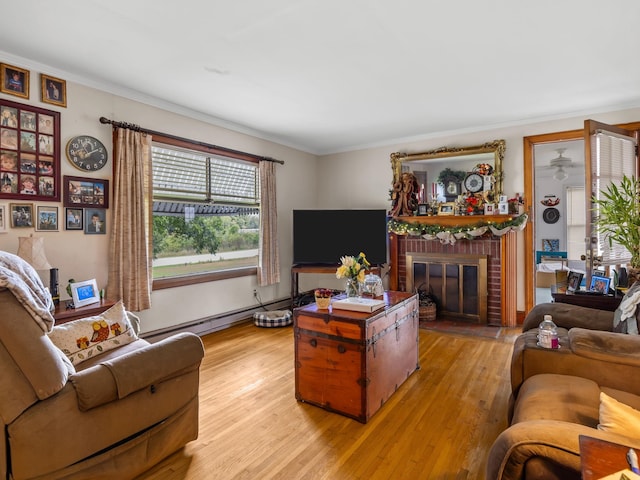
pixel 352 288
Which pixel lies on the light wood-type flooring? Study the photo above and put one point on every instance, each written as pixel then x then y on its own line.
pixel 440 423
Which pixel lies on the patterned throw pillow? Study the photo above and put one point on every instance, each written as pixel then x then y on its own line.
pixel 87 337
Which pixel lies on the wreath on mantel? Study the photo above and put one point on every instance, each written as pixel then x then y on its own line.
pixel 449 234
pixel 446 174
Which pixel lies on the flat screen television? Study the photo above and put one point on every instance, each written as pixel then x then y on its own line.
pixel 323 236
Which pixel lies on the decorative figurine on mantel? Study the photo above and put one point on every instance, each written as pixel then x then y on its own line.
pixel 404 196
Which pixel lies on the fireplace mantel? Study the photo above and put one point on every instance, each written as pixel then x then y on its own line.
pixel 505 254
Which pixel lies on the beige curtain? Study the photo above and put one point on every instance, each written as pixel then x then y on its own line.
pixel 130 274
pixel 269 252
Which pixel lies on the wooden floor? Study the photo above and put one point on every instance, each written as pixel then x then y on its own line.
pixel 438 425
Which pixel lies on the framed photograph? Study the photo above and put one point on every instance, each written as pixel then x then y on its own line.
pixel 74 219
pixel 503 208
pixel 46 219
pixel 29 153
pixel 53 90
pixel 446 208
pixel 84 293
pixel 574 279
pixel 489 209
pixel 21 215
pixel 422 208
pixel 85 192
pixel 600 285
pixel 3 219
pixel 95 221
pixel 502 199
pixel 14 80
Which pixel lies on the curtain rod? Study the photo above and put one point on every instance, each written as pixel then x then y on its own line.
pixel 138 128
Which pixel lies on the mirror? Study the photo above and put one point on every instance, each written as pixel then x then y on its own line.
pixel 428 166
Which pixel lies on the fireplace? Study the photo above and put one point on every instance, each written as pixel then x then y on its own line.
pixel 457 281
pixel 500 253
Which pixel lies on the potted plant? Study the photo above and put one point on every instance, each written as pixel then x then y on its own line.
pixel 618 210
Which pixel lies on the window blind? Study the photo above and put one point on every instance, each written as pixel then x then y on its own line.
pixel 613 157
pixel 189 176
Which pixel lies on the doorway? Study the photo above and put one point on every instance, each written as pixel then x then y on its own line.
pixel 539 146
pixel 559 199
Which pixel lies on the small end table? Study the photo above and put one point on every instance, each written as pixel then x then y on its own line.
pixel 62 314
pixel 600 302
pixel 599 458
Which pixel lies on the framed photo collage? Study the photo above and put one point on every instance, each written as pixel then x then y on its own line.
pixel 30 171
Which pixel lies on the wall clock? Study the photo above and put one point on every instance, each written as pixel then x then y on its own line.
pixel 474 182
pixel 551 215
pixel 86 153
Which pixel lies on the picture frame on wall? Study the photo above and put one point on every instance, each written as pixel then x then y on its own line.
pixel 46 219
pixel 21 215
pixel 3 219
pixel 73 219
pixel 95 221
pixel 85 192
pixel 29 153
pixel 53 90
pixel 14 80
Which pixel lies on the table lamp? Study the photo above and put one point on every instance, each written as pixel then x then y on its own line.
pixel 31 249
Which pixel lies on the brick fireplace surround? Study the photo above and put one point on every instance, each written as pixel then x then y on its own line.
pixel 501 256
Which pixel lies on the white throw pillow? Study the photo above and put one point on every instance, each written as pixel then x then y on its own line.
pixel 616 417
pixel 87 337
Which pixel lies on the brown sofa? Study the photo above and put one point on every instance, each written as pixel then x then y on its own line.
pixel 556 393
pixel 111 416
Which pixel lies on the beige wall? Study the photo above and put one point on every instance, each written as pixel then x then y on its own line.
pixel 83 256
pixel 357 179
pixel 372 167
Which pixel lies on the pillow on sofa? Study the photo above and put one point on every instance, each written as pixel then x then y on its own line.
pixel 87 337
pixel 625 318
pixel 616 417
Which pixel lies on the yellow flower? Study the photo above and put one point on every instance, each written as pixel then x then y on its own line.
pixel 361 276
pixel 341 272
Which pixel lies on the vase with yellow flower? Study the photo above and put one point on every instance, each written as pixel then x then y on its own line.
pixel 353 269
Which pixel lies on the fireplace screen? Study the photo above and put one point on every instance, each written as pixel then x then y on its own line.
pixel 459 282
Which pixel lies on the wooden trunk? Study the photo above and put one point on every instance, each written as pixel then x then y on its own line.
pixel 352 362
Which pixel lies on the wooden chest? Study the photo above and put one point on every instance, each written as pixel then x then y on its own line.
pixel 352 362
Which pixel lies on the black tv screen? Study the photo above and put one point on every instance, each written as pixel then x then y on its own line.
pixel 323 236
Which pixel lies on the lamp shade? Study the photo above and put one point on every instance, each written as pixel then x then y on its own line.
pixel 31 249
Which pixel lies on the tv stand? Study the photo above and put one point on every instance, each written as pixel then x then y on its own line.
pixel 296 269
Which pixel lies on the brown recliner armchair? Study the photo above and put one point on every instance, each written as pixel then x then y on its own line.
pixel 113 415
pixel 556 393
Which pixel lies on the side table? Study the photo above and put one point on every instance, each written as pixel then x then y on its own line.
pixel 600 302
pixel 62 314
pixel 599 458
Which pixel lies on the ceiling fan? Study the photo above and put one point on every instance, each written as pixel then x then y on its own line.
pixel 560 163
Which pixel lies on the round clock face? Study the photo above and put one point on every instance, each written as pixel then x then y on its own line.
pixel 474 182
pixel 86 153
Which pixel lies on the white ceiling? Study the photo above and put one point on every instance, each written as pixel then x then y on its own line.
pixel 335 75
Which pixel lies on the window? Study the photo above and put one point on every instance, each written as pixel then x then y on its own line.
pixel 576 219
pixel 206 214
pixel 614 156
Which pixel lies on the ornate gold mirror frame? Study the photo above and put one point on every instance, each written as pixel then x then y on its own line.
pixel 497 147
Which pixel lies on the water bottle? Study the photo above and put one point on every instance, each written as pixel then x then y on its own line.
pixel 548 333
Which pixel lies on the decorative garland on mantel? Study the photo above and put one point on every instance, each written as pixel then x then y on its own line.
pixel 449 234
